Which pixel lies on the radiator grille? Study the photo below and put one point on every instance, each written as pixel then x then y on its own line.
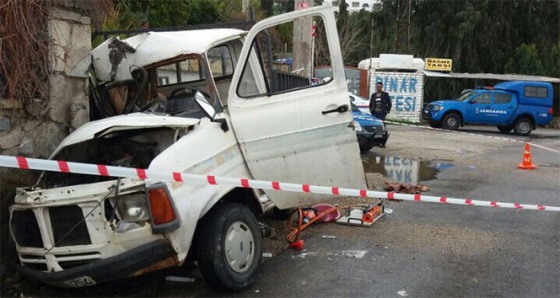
pixel 372 128
pixel 26 229
pixel 69 226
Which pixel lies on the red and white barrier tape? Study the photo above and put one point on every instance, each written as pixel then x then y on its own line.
pixel 474 134
pixel 103 170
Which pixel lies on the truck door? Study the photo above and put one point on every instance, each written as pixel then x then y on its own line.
pixel 478 108
pixel 503 107
pixel 290 126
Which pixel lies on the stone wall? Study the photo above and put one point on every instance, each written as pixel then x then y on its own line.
pixel 36 129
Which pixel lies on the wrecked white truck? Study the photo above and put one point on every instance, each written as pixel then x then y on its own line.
pixel 203 102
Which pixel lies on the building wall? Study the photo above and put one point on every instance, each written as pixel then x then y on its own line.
pixel 36 129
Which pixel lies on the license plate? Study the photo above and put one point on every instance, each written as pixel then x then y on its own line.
pixel 80 282
pixel 378 136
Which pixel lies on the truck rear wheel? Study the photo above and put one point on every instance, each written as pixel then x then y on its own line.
pixel 523 126
pixel 505 128
pixel 229 247
pixel 451 121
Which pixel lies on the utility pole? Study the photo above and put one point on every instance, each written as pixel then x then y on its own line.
pixel 244 6
pixel 397 30
pixel 370 56
pixel 302 44
pixel 403 24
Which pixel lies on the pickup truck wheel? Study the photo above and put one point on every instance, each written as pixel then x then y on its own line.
pixel 365 148
pixel 229 247
pixel 505 128
pixel 523 126
pixel 435 124
pixel 451 121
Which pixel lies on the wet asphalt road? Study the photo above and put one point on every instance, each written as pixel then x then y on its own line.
pixel 420 249
pixel 433 250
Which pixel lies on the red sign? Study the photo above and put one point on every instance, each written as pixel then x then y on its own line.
pixel 302 5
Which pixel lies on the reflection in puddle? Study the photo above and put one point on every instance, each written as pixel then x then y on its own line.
pixel 405 170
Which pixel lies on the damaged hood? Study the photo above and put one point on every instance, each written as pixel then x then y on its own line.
pixel 103 127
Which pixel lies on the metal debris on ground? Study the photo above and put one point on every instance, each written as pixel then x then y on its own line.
pixel 179 278
pixel 405 187
pixel 357 254
pixel 402 293
pixel 266 230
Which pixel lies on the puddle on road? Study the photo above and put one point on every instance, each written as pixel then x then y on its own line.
pixel 405 170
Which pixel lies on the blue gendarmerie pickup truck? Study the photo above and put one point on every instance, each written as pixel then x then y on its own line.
pixel 517 105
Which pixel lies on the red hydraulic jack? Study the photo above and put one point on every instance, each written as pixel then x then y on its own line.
pixel 308 216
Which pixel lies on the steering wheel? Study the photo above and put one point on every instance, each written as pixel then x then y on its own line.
pixel 188 91
pixel 154 106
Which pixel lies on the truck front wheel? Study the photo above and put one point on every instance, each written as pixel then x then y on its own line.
pixel 451 121
pixel 505 128
pixel 229 247
pixel 523 126
pixel 435 124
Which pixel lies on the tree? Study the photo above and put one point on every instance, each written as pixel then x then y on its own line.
pixel 355 37
pixel 551 61
pixel 267 7
pixel 384 28
pixel 525 61
pixel 342 19
pixel 283 6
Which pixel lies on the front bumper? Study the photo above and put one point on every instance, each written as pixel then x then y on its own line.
pixel 426 114
pixel 368 140
pixel 149 257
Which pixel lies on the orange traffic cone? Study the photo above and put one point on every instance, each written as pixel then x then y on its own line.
pixel 527 164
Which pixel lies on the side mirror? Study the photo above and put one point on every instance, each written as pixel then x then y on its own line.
pixel 204 103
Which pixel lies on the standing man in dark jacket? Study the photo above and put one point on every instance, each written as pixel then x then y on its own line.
pixel 380 103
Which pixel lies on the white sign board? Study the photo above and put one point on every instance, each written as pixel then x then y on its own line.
pixel 406 92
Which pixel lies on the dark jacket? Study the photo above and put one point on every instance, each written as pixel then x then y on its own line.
pixel 383 106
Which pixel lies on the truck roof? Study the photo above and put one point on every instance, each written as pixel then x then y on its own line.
pixel 517 86
pixel 151 47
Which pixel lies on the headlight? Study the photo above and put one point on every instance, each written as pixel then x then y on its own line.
pixel 437 108
pixel 357 126
pixel 133 208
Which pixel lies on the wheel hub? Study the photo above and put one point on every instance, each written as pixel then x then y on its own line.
pixel 239 247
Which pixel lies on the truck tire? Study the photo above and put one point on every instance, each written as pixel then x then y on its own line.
pixel 365 148
pixel 505 128
pixel 435 124
pixel 523 126
pixel 451 121
pixel 229 247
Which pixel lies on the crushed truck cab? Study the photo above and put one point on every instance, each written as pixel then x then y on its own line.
pixel 517 105
pixel 207 102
